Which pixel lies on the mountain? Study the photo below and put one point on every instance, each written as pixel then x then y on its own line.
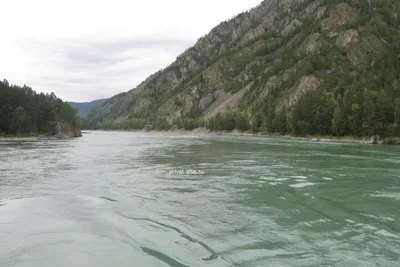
pixel 23 111
pixel 85 107
pixel 321 67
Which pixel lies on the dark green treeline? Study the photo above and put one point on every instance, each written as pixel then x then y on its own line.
pixel 23 111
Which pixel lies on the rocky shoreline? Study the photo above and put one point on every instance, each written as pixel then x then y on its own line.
pixel 65 131
pixel 365 140
pixel 58 131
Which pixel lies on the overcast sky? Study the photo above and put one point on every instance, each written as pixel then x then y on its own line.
pixel 88 49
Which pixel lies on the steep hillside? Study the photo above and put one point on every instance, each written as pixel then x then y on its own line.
pixel 85 107
pixel 296 66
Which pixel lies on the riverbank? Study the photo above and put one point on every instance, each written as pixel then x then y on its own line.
pixel 333 139
pixel 30 135
pixel 57 130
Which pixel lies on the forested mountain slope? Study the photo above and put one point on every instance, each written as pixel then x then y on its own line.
pixel 287 66
pixel 85 107
pixel 23 111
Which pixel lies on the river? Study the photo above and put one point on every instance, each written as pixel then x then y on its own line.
pixel 156 199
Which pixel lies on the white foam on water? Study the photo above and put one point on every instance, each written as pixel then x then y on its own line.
pixel 272 179
pixel 366 226
pixel 395 196
pixel 318 221
pixel 92 200
pixel 300 177
pixel 386 233
pixel 284 198
pixel 327 179
pixel 380 218
pixel 301 185
pixel 251 161
pixel 350 221
pixel 266 178
pixel 370 227
pixel 281 179
pixel 387 219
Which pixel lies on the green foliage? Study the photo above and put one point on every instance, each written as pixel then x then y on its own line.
pixel 19 121
pixel 228 121
pixel 22 110
pixel 397 116
pixel 313 114
pixel 255 125
pixel 268 118
pixel 357 96
pixel 241 122
pixel 356 120
pixel 127 124
pixel 190 123
pixel 339 121
pixel 280 122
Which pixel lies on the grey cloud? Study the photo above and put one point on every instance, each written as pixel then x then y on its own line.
pixel 110 52
pixel 89 69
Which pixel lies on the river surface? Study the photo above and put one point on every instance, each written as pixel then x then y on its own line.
pixel 154 199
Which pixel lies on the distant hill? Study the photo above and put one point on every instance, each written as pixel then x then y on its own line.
pixel 299 67
pixel 85 107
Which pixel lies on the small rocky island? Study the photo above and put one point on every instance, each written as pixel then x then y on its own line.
pixel 23 112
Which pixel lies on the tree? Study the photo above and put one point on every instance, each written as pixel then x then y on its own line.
pixel 397 116
pixel 339 123
pixel 19 121
pixel 289 122
pixel 228 121
pixel 384 114
pixel 241 122
pixel 356 120
pixel 280 122
pixel 66 112
pixel 22 110
pixel 268 119
pixel 254 125
pixel 369 113
pixel 313 114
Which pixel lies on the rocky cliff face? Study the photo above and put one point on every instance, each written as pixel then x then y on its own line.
pixel 276 53
pixel 223 60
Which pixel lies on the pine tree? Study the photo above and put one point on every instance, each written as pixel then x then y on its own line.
pixel 397 116
pixel 254 125
pixel 22 110
pixel 268 119
pixel 280 122
pixel 369 112
pixel 241 122
pixel 356 120
pixel 19 121
pixel 384 114
pixel 339 123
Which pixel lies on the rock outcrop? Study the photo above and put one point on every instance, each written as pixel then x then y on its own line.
pixel 64 131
